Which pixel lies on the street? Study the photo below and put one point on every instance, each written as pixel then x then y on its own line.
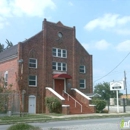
pixel 86 124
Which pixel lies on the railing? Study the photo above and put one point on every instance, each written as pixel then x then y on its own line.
pixel 69 96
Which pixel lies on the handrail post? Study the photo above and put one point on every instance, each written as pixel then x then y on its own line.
pixel 74 100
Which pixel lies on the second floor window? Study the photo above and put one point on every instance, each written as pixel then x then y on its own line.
pixel 32 63
pixel 32 80
pixel 59 66
pixel 56 52
pixel 82 69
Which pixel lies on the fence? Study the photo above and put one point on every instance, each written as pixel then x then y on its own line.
pixel 112 105
pixel 9 103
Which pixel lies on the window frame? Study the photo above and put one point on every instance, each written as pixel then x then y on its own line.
pixel 82 69
pixel 5 79
pixel 59 52
pixel 58 65
pixel 82 84
pixel 33 63
pixel 32 80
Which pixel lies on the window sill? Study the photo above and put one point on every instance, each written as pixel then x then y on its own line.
pixel 82 88
pixel 60 57
pixel 33 67
pixel 32 86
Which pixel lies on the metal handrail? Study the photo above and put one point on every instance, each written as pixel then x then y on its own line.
pixel 74 100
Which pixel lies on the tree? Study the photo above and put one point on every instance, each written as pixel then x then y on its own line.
pixel 9 44
pixel 1 47
pixel 104 90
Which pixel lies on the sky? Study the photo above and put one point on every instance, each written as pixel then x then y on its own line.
pixel 102 27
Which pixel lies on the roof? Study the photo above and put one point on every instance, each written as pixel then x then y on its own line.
pixel 9 53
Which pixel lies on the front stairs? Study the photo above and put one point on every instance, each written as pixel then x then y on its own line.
pixel 76 106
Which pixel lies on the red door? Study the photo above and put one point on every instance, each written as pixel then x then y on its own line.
pixel 59 86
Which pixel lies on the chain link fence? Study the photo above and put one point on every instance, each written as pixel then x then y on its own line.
pixel 9 103
pixel 124 105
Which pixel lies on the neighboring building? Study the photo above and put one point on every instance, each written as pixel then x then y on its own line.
pixel 124 96
pixel 52 59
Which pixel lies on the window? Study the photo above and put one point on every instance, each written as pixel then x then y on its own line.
pixel 6 79
pixel 56 52
pixel 82 83
pixel 33 80
pixel 32 63
pixel 59 66
pixel 82 69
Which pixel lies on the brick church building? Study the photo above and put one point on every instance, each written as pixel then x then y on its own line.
pixel 50 63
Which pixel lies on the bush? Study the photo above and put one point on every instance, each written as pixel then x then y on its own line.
pixel 100 105
pixel 53 104
pixel 23 126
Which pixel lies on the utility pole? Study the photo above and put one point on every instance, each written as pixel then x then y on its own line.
pixel 125 84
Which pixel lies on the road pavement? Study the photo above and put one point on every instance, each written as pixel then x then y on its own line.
pixel 84 124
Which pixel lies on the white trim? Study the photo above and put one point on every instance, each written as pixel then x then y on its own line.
pixel 81 93
pixel 84 69
pixel 6 79
pixel 32 96
pixel 33 63
pixel 65 105
pixel 55 93
pixel 61 52
pixel 35 81
pixel 84 84
pixel 92 105
pixel 61 63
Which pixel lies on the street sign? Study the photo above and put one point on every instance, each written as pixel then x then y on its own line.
pixel 118 85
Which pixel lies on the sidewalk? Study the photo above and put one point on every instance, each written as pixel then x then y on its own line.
pixel 46 118
pixel 92 115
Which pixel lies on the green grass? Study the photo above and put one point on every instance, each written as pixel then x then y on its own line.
pixel 23 126
pixel 24 118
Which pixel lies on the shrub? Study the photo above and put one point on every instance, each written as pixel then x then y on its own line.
pixel 100 105
pixel 53 104
pixel 23 126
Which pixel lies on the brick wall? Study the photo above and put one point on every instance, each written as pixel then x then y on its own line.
pixel 33 48
pixel 12 67
pixel 76 55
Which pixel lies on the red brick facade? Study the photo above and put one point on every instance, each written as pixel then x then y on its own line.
pixel 40 47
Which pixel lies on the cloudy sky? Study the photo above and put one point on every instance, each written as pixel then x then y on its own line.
pixel 102 27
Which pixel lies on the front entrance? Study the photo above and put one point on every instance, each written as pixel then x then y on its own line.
pixel 32 104
pixel 59 85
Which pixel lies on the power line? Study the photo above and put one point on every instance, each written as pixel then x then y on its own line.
pixel 113 68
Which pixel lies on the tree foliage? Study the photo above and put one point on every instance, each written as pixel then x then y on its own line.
pixel 53 104
pixel 100 105
pixel 9 44
pixel 4 95
pixel 104 90
pixel 1 47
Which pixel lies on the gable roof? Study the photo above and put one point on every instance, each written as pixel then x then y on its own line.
pixel 9 53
